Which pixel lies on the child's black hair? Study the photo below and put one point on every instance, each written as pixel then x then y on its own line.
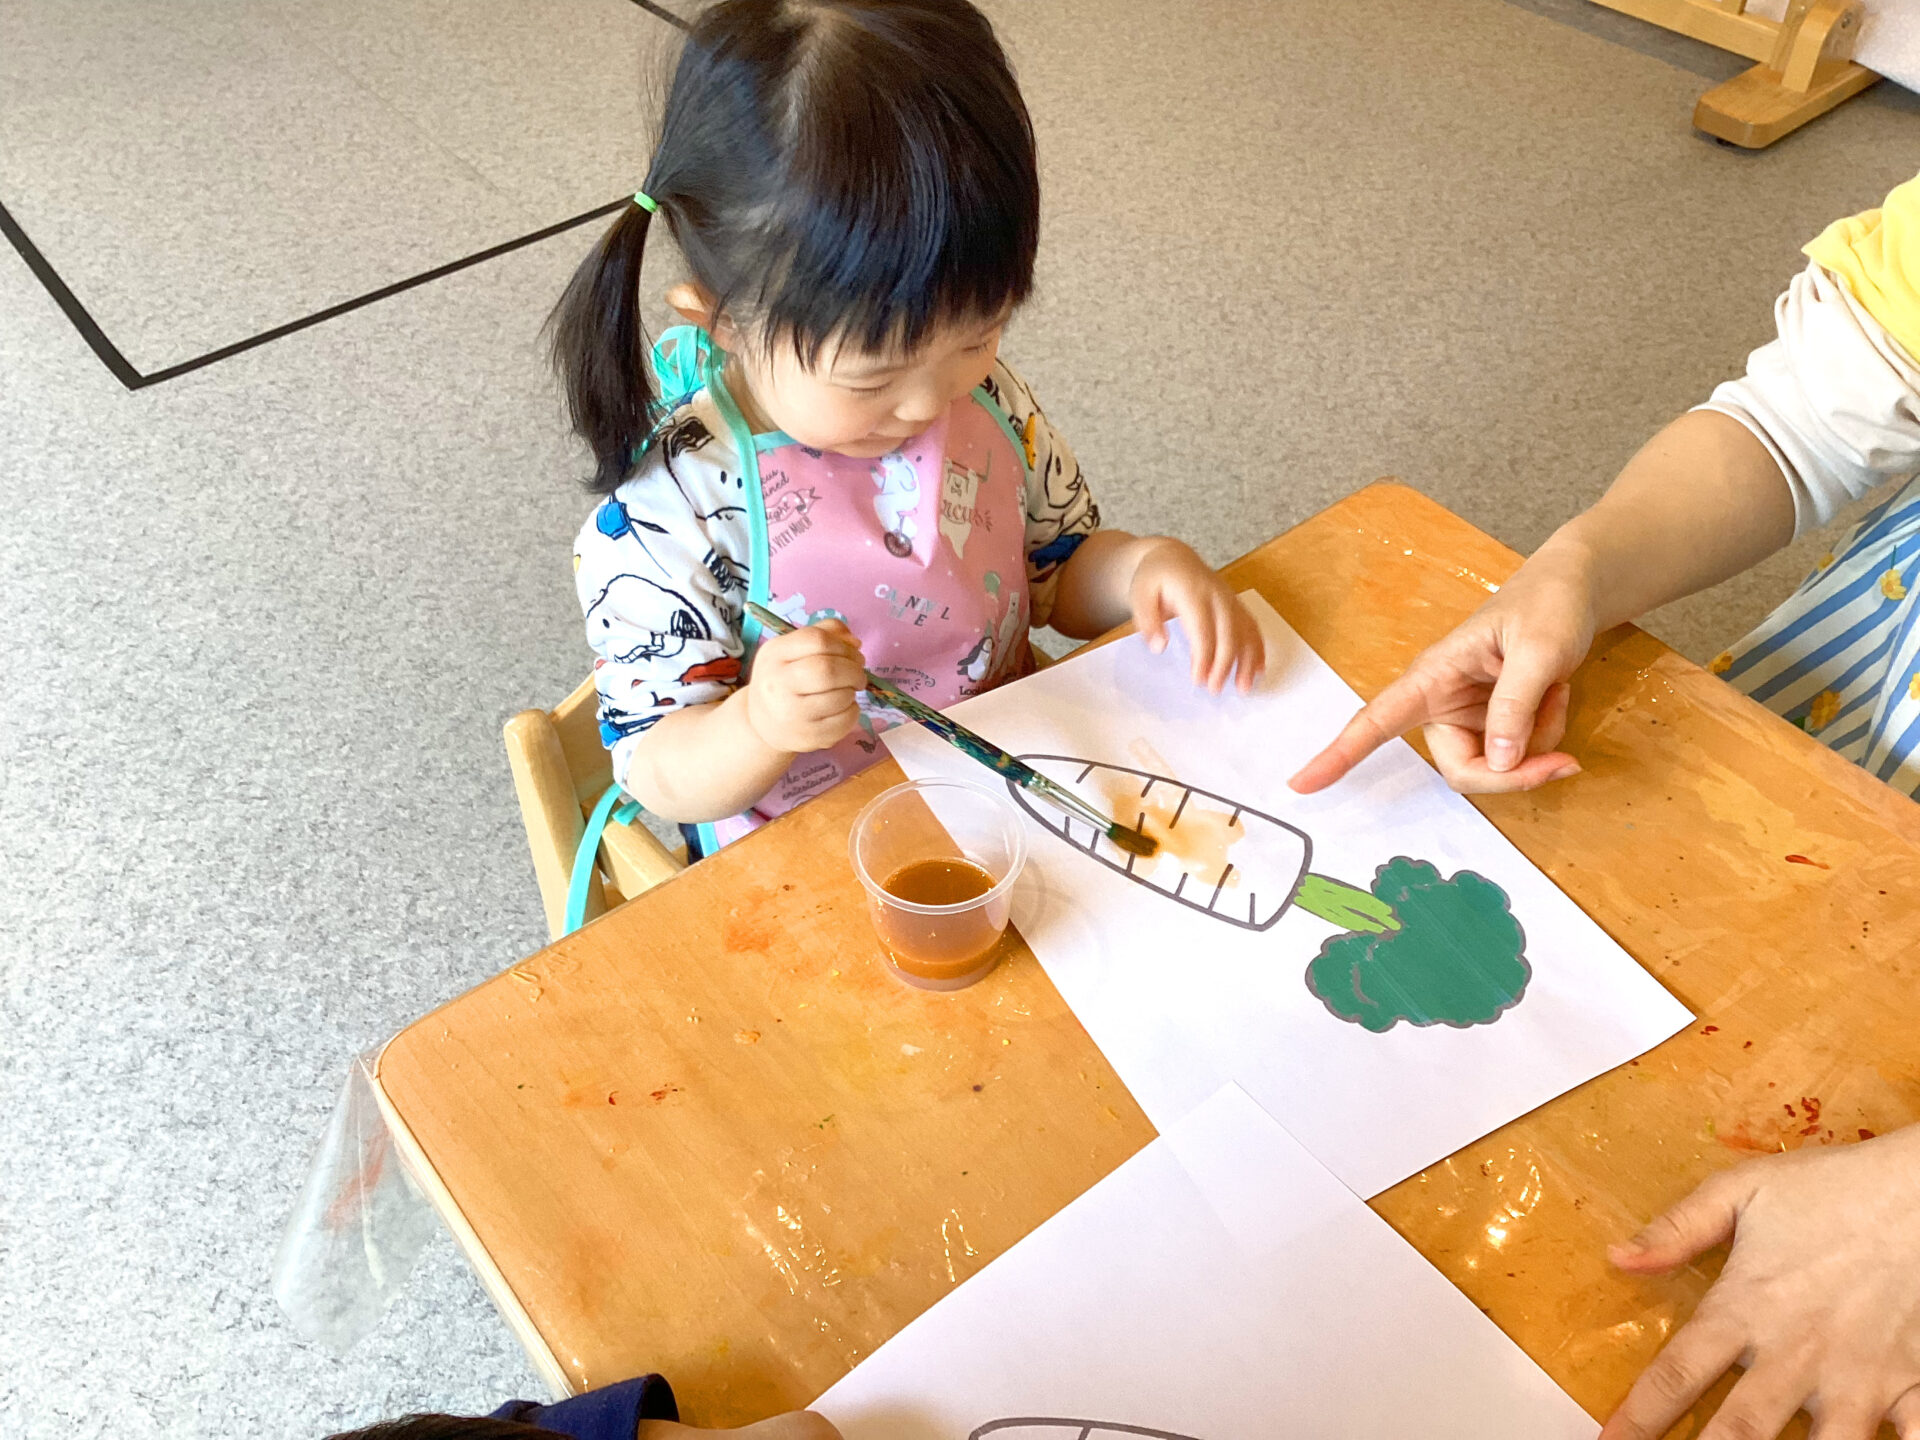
pixel 445 1427
pixel 833 170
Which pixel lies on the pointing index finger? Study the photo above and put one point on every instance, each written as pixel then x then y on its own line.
pixel 1391 713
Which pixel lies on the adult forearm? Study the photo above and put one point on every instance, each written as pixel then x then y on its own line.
pixel 1701 502
pixel 704 763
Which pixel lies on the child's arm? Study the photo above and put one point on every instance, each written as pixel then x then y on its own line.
pixel 1113 577
pixel 709 761
pixel 1702 501
pixel 1086 580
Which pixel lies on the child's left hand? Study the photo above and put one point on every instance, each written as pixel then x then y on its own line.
pixel 1171 582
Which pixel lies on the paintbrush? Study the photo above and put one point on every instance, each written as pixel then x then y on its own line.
pixel 978 747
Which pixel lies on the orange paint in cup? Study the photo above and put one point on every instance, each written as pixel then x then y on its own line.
pixel 939 859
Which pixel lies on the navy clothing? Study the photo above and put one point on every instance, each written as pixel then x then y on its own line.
pixel 613 1412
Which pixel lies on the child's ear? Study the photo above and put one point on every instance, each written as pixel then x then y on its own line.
pixel 694 303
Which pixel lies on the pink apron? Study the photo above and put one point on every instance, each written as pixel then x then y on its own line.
pixel 922 553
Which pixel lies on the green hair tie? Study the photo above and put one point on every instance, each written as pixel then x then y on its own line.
pixel 646 202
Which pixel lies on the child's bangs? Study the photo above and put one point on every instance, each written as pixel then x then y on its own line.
pixel 882 284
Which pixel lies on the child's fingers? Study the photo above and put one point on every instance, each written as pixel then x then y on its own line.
pixel 1240 646
pixel 818 709
pixel 1197 621
pixel 1251 654
pixel 1150 616
pixel 1226 645
pixel 822 675
pixel 827 637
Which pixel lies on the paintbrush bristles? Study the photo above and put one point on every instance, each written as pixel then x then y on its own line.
pixel 1134 842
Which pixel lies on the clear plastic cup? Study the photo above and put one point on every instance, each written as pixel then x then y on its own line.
pixel 938 859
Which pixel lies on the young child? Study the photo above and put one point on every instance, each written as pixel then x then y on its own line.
pixel 853 188
pixel 1827 413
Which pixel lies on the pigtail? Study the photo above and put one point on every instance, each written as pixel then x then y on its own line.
pixel 601 351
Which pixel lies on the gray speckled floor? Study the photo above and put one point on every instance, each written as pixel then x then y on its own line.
pixel 259 625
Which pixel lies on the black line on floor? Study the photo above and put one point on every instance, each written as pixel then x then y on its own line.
pixel 383 293
pixel 122 369
pixel 69 303
pixel 666 15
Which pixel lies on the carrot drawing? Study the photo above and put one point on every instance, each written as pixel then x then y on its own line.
pixel 1416 946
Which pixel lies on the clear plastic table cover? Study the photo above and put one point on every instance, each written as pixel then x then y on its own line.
pixel 357 1227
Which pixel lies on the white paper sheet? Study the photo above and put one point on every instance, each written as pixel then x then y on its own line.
pixel 1220 1285
pixel 1183 999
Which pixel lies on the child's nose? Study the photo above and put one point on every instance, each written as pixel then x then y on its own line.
pixel 920 407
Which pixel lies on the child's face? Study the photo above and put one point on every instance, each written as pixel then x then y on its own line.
pixel 859 404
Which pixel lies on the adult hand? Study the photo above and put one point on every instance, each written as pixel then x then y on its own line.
pixel 1819 1300
pixel 1171 581
pixel 1492 695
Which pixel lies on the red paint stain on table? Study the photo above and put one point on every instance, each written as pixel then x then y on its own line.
pixel 1770 1137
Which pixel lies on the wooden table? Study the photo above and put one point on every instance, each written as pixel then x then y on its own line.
pixel 709 1135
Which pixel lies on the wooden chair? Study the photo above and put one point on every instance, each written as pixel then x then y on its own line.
pixel 560 769
pixel 1804 62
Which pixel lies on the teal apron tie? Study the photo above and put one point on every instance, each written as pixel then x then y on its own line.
pixel 604 811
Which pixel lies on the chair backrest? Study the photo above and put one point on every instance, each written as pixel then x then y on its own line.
pixel 560 769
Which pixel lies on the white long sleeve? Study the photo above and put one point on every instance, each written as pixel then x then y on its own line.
pixel 1834 398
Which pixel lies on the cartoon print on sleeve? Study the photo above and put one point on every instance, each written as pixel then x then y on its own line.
pixel 631 595
pixel 662 569
pixel 725 670
pixel 1061 512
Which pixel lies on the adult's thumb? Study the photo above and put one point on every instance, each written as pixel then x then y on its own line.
pixel 1704 1219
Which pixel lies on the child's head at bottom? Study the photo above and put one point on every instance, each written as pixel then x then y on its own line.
pixel 852 184
pixel 793 1425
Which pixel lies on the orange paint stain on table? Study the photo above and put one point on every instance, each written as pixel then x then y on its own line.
pixel 901 1129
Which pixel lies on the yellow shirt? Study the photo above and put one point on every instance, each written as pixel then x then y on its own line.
pixel 1876 254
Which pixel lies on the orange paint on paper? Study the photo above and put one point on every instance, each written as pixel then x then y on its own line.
pixel 1195 837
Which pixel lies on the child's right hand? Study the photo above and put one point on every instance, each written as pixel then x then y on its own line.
pixel 802 694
